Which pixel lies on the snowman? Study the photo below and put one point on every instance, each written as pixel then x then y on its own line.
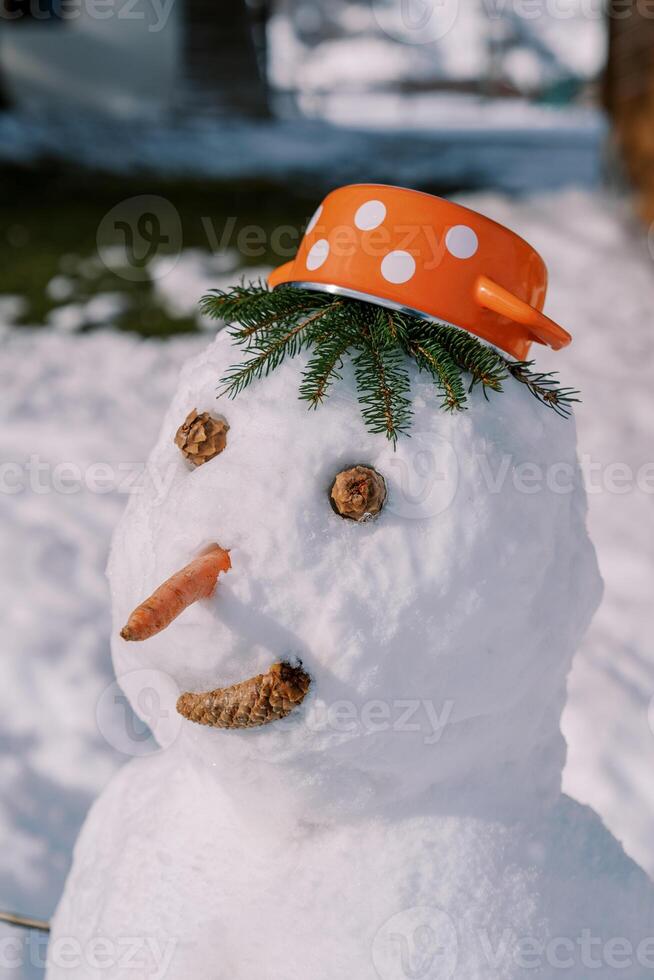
pixel 358 645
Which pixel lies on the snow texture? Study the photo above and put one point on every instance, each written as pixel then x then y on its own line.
pixel 60 402
pixel 421 777
pixel 197 887
pixel 69 405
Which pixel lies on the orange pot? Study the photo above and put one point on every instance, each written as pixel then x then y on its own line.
pixel 412 251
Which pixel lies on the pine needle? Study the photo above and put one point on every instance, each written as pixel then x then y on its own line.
pixel 257 308
pixel 269 355
pixel 271 325
pixel 481 362
pixel 325 366
pixel 382 379
pixel 430 356
pixel 544 387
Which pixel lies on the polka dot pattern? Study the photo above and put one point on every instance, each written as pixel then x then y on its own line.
pixel 314 220
pixel 318 254
pixel 370 215
pixel 461 242
pixel 398 267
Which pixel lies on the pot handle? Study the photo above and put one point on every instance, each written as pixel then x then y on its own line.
pixel 498 299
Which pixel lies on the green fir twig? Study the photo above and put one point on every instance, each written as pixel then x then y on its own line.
pixel 277 342
pixel 544 386
pixel 431 357
pixel 381 375
pixel 271 325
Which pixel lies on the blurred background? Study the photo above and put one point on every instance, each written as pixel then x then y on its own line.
pixel 151 149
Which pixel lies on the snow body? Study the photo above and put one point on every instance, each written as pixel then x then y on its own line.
pixel 407 820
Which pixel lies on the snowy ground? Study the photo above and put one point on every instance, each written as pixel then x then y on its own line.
pixel 444 141
pixel 72 402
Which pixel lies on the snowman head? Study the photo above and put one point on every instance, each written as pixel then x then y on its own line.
pixel 436 636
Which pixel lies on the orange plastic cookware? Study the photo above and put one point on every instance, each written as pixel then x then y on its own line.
pixel 416 252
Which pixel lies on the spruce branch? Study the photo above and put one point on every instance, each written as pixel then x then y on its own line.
pixel 382 378
pixel 257 308
pixel 482 363
pixel 269 354
pixel 273 324
pixel 226 303
pixel 430 356
pixel 324 367
pixel 391 326
pixel 544 386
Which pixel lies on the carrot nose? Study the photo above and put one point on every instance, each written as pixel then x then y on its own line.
pixel 194 581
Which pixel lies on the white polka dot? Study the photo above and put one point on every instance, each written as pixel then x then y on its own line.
pixel 398 267
pixel 318 254
pixel 461 242
pixel 314 221
pixel 370 215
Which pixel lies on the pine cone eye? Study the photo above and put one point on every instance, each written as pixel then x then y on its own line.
pixel 358 493
pixel 201 437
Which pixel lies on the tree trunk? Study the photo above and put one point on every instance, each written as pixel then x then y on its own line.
pixel 222 74
pixel 629 94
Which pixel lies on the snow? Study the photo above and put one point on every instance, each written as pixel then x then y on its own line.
pixel 199 886
pixel 450 140
pixel 100 310
pixel 60 288
pixel 423 770
pixel 12 308
pixel 60 402
pixel 68 401
pixel 382 137
pixel 180 280
pixel 346 45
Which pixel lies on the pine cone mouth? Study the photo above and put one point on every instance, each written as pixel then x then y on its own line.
pixel 252 703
